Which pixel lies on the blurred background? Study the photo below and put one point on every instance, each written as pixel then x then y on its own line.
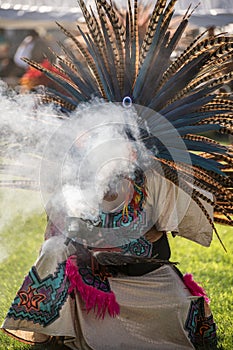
pixel 28 28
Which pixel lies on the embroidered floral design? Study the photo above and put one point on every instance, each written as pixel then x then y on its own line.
pixel 40 300
pixel 31 299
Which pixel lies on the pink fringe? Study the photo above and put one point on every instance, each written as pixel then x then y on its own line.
pixel 95 299
pixel 193 287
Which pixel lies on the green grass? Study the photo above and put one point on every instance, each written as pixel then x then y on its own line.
pixel 211 267
pixel 21 241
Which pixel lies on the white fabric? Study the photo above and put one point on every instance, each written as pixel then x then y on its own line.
pixel 167 207
pixel 153 311
pixel 172 209
pixel 153 307
pixel 24 50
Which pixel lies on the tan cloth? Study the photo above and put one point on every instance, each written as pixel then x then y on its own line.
pixel 153 310
pixel 171 209
pixel 167 207
pixel 153 307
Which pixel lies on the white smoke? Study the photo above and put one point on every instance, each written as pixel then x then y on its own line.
pixel 24 132
pixel 71 162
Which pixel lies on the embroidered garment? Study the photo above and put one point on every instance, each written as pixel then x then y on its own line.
pixel 52 304
pixel 157 310
pixel 202 329
pixel 40 300
pixel 151 310
pixel 92 288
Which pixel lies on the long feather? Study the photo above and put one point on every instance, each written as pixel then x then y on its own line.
pixel 177 82
pixel 152 27
pixel 194 50
pixel 119 33
pixel 90 64
pixel 65 83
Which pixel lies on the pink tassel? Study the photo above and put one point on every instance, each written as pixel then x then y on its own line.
pixel 193 287
pixel 95 299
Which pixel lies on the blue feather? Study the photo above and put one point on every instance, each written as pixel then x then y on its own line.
pixel 62 96
pixel 65 85
pixel 194 159
pixel 195 118
pixel 187 108
pixel 177 82
pixel 111 61
pixel 102 73
pixel 82 67
pixel 195 97
pixel 204 146
pixel 146 64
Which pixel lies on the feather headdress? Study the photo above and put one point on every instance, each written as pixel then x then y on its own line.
pixel 127 55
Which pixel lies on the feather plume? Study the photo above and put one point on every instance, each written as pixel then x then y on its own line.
pixel 116 61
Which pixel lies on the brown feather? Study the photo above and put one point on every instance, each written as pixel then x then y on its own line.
pixel 46 99
pixel 136 36
pixel 86 56
pixel 119 33
pixel 152 25
pixel 194 50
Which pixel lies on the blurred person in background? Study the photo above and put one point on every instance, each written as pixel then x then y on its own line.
pixel 33 47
